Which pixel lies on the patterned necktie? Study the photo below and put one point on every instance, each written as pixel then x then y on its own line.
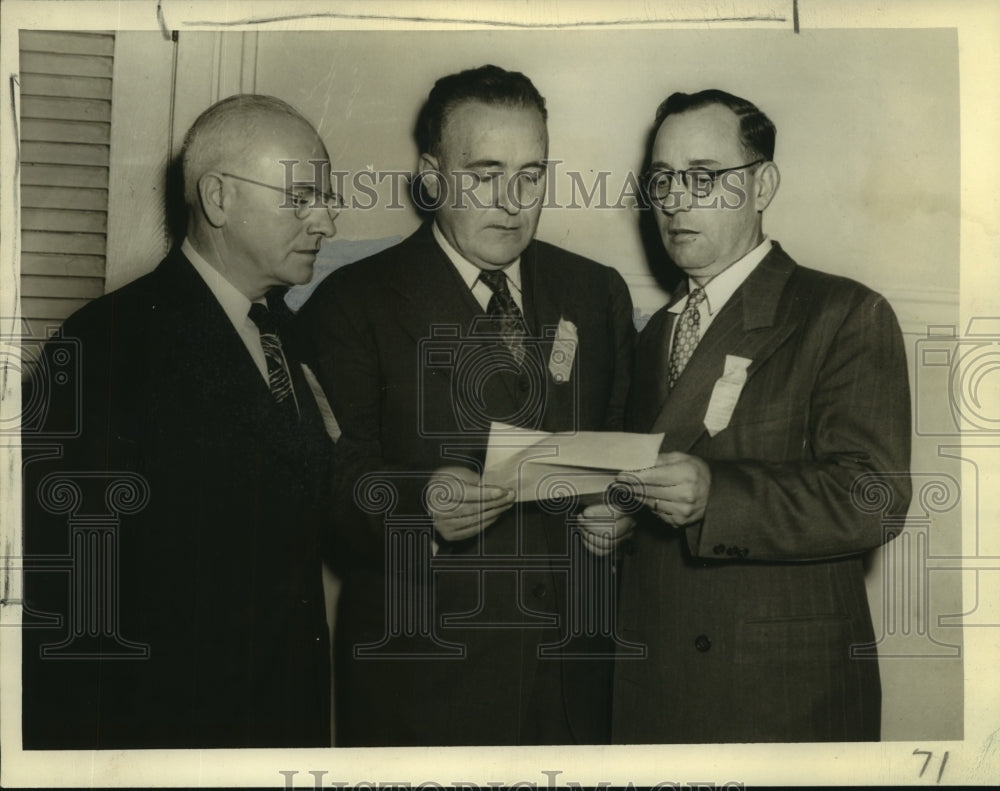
pixel 685 336
pixel 503 308
pixel 277 371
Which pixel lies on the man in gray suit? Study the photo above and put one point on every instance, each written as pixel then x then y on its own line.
pixel 783 396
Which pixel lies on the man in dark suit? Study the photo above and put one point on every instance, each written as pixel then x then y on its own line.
pixel 783 396
pixel 199 442
pixel 466 638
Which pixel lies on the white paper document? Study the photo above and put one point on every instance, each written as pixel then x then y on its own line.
pixel 540 465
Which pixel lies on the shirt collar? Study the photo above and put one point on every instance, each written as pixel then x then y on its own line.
pixel 468 270
pixel 233 301
pixel 720 288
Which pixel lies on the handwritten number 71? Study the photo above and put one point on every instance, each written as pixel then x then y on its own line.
pixel 927 760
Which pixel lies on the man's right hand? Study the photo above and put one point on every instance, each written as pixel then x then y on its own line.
pixel 461 505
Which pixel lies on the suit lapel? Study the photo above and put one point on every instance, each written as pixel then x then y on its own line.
pixel 431 292
pixel 648 393
pixel 213 355
pixel 434 299
pixel 748 326
pixel 212 358
pixel 543 294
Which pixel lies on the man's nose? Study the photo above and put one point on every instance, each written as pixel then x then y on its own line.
pixel 321 221
pixel 509 195
pixel 679 197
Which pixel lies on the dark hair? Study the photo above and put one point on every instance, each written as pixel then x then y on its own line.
pixel 487 84
pixel 757 133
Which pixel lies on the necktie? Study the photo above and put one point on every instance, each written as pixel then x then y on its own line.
pixel 277 370
pixel 685 336
pixel 503 308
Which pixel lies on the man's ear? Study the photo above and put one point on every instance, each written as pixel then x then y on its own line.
pixel 212 194
pixel 768 179
pixel 430 175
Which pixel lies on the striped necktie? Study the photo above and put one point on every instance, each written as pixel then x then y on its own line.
pixel 277 367
pixel 504 309
pixel 686 336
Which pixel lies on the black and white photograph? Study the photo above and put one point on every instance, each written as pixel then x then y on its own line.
pixel 606 393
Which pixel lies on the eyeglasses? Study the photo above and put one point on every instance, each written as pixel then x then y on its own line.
pixel 302 199
pixel 700 182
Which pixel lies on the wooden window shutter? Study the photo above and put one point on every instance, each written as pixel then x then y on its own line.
pixel 65 135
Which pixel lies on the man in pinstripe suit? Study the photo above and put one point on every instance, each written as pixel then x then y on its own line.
pixel 784 400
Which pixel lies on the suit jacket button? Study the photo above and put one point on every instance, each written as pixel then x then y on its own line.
pixel 702 643
pixel 719 549
pixel 539 591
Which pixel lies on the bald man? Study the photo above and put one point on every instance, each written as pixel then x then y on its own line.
pixel 205 627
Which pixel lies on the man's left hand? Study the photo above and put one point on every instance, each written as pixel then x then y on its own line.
pixel 675 489
pixel 604 527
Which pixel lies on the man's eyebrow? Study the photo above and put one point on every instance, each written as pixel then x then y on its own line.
pixel 702 163
pixel 485 163
pixel 492 163
pixel 694 163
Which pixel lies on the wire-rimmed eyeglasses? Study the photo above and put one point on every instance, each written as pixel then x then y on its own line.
pixel 301 199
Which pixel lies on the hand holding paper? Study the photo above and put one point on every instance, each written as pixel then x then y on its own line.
pixel 675 489
pixel 461 506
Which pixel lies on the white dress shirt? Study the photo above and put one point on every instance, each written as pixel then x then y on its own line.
pixel 234 303
pixel 470 273
pixel 237 307
pixel 720 288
